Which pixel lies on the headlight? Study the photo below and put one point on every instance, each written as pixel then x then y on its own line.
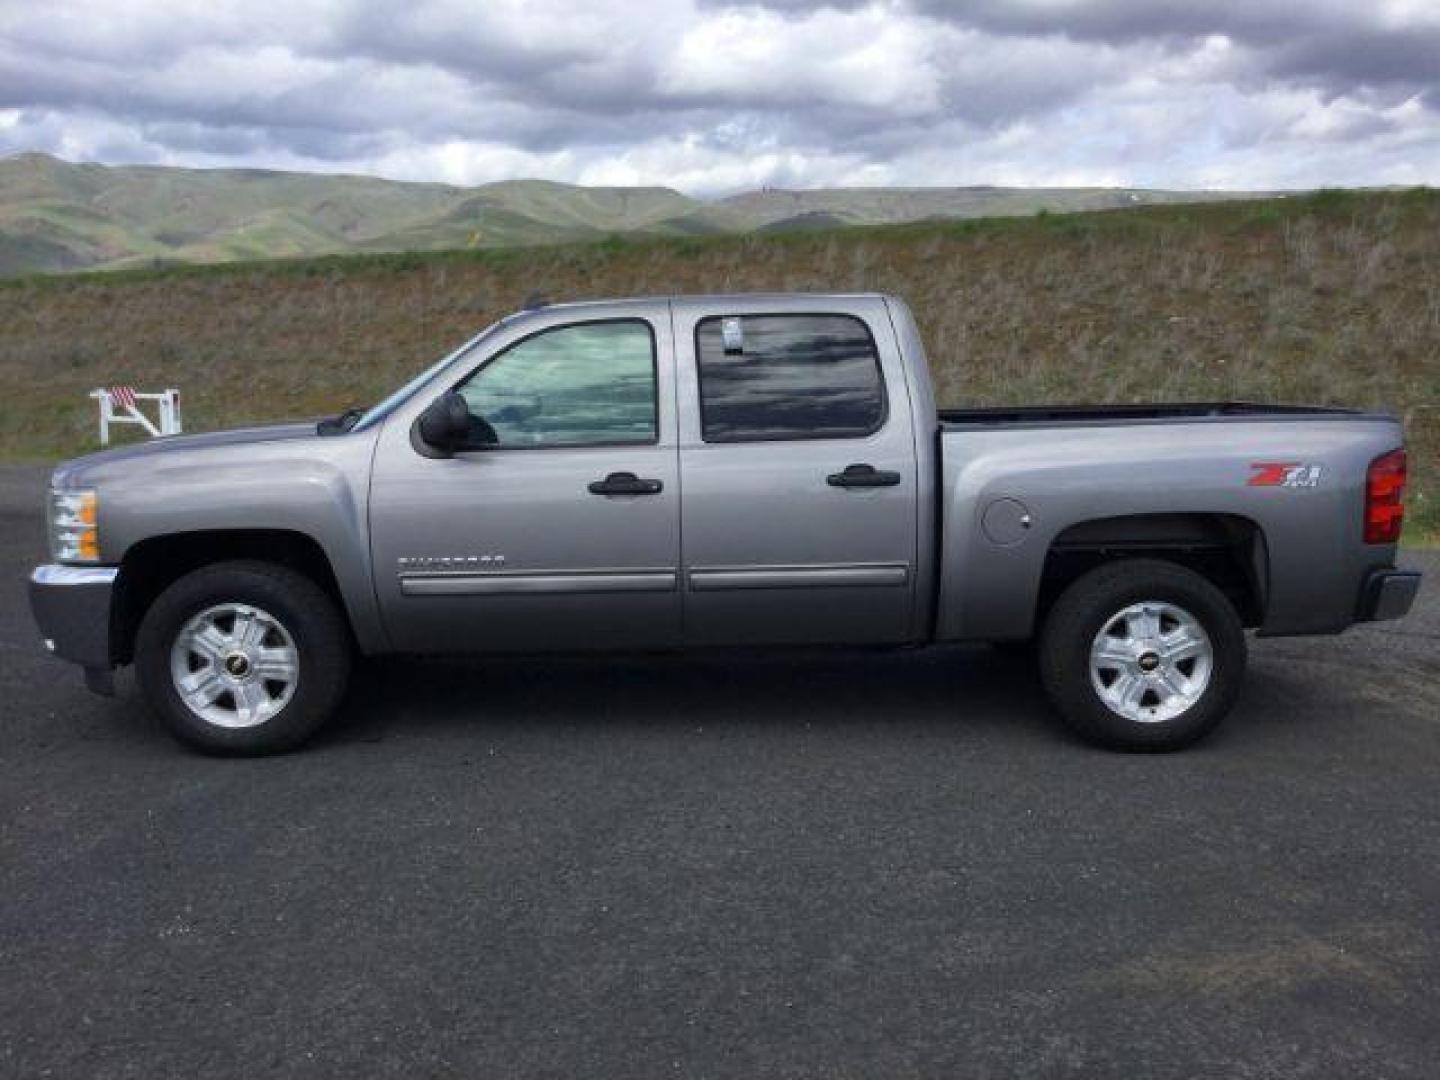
pixel 74 528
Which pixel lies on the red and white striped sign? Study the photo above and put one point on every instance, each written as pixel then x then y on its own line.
pixel 125 405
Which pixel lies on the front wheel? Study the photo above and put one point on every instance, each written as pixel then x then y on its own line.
pixel 1142 654
pixel 243 658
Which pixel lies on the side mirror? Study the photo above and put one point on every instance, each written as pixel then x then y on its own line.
pixel 445 423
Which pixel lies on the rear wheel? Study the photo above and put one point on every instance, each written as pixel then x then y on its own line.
pixel 1143 655
pixel 243 658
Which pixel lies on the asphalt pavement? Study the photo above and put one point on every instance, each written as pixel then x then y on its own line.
pixel 797 865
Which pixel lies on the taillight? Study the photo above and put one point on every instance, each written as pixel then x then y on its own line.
pixel 1385 498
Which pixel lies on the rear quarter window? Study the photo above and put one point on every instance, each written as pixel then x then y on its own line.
pixel 765 377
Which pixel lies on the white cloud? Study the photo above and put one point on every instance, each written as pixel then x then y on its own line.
pixel 713 97
pixel 754 57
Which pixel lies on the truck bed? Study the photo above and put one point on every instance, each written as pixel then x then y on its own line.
pixel 1091 414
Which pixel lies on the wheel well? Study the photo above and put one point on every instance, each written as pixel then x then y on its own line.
pixel 152 565
pixel 1226 549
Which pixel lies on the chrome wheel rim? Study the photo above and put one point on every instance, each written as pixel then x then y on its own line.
pixel 1151 662
pixel 234 665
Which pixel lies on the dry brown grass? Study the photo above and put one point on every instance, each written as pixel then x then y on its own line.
pixel 1333 298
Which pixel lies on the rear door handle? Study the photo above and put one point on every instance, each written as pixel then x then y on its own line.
pixel 863 476
pixel 625 483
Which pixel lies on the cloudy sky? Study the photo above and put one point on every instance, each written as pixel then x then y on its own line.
pixel 712 97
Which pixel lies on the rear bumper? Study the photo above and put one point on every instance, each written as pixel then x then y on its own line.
pixel 71 605
pixel 1388 594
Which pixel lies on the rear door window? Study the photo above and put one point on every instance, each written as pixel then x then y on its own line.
pixel 765 377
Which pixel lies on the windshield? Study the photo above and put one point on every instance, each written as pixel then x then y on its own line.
pixel 379 412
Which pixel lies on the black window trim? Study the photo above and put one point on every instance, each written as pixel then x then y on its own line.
pixel 632 443
pixel 880 423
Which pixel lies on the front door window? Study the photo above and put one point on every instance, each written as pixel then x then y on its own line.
pixel 589 384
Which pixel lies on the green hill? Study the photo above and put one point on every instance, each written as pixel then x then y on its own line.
pixel 893 206
pixel 56 216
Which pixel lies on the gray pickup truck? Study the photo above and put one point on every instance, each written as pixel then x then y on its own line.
pixel 690 472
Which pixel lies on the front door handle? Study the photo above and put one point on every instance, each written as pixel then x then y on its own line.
pixel 863 476
pixel 625 483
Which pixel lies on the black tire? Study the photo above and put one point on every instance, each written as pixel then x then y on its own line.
pixel 1089 605
pixel 308 615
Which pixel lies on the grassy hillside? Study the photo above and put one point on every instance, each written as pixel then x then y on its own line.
pixel 1331 298
pixel 55 216
pixel 60 216
pixel 774 207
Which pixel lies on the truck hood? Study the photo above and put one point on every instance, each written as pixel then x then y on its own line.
pixel 72 473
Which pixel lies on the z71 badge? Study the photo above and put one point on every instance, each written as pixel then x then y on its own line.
pixel 1288 474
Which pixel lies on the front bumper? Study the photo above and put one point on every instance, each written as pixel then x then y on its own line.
pixel 1388 594
pixel 71 605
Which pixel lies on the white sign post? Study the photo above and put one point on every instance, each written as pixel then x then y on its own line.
pixel 121 405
